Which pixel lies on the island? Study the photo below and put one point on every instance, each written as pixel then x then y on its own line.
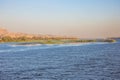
pixel 24 38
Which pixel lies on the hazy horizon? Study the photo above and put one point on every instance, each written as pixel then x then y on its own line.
pixel 81 18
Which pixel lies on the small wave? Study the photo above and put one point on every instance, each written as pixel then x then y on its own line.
pixel 29 45
pixel 22 49
pixel 17 48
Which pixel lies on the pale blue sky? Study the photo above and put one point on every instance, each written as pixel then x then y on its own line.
pixel 82 18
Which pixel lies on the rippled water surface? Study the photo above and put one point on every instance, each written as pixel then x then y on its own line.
pixel 91 61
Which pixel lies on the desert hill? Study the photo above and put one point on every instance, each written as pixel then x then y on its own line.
pixel 6 33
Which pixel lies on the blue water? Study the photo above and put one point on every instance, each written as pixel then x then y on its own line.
pixel 90 61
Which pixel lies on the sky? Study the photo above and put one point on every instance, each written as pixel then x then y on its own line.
pixel 80 18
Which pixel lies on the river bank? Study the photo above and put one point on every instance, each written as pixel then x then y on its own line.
pixel 61 41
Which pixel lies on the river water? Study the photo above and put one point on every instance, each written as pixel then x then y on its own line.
pixel 88 61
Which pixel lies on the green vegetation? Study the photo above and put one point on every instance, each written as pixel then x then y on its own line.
pixel 51 40
pixel 9 39
pixel 35 39
pixel 109 40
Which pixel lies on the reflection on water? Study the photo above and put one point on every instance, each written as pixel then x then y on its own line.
pixel 60 62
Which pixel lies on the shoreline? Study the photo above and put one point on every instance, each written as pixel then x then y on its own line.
pixel 40 42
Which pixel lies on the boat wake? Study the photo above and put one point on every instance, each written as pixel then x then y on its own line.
pixel 18 48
